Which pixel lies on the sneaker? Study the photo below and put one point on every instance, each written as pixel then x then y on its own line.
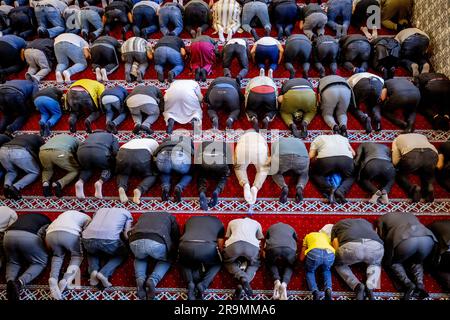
pixel 47 191
pixel 111 127
pixel 58 189
pixel 137 129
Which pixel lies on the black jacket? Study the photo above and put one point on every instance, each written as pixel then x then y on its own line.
pixel 370 151
pixel 31 142
pixel 159 226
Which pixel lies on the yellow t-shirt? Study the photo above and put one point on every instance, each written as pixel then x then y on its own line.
pixel 317 240
pixel 94 88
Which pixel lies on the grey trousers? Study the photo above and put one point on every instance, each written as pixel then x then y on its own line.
pixel 290 162
pixel 232 255
pixel 335 101
pixel 14 159
pixel 22 246
pixel 317 21
pixel 366 251
pixel 135 57
pixel 38 65
pixel 151 112
pixel 61 242
pixel 255 9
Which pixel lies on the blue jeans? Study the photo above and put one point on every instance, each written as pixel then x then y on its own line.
pixel 50 110
pixel 11 2
pixel 180 163
pixel 65 51
pixel 339 8
pixel 315 259
pixel 143 249
pixel 167 55
pixel 49 18
pixel 145 21
pixel 111 109
pixel 267 53
pixel 170 14
pixel 114 250
pixel 15 159
pixel 91 17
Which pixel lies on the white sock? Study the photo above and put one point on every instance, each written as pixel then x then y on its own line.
pixel 93 281
pixel 66 75
pixel 276 290
pixel 247 193
pixel 254 191
pixel 104 75
pixel 98 75
pixel 283 291
pixel 54 290
pixel 103 280
pixel 122 195
pixel 98 189
pixel 72 274
pixel 59 78
pixel 79 189
pixel 62 285
pixel 137 196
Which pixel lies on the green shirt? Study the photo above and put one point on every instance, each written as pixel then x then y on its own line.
pixel 62 142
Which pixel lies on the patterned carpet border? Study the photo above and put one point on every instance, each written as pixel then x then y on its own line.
pixel 125 293
pixel 233 206
pixel 386 136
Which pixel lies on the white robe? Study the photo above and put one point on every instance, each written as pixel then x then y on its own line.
pixel 181 102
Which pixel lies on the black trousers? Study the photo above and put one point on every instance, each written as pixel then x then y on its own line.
pixel 21 25
pixel 232 51
pixel 367 92
pixel 92 158
pixel 10 61
pixel 326 53
pixel 196 15
pixel 379 170
pixel 407 100
pixel 443 177
pixel 261 105
pixel 324 167
pixel 298 50
pixel 15 110
pixel 411 253
pixel 200 262
pixel 216 172
pixel 280 262
pixel 435 97
pixel 116 16
pixel 80 102
pixel 104 57
pixel 134 162
pixel 357 52
pixel 226 99
pixel 414 50
pixel 418 161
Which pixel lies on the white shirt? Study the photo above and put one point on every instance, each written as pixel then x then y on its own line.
pixel 331 146
pixel 182 101
pixel 7 217
pixel 252 148
pixel 267 41
pixel 238 41
pixel 57 4
pixel 145 143
pixel 138 100
pixel 405 143
pixel 70 221
pixel 354 79
pixel 152 4
pixel 73 39
pixel 245 229
pixel 406 33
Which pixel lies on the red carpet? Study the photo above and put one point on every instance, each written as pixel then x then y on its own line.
pixel 308 216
